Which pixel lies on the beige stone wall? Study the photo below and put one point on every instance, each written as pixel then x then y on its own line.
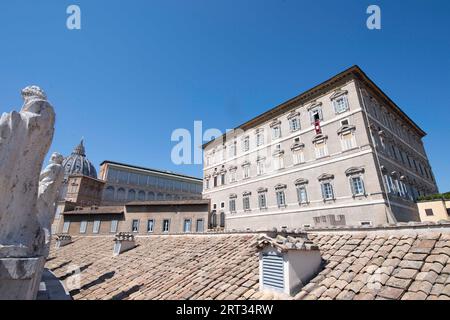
pixel 143 214
pixel 439 210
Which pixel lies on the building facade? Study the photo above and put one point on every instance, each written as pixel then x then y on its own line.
pixel 434 210
pixel 125 183
pixel 140 218
pixel 341 153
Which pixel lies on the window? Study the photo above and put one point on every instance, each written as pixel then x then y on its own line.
pixel 222 219
pixel 232 176
pixel 150 225
pixel 66 226
pixel 278 162
pixel 260 167
pixel 187 225
pixel 83 226
pixel 215 181
pixel 297 157
pixel 166 225
pixel 348 141
pixel 366 223
pixel 246 144
pixel 200 226
pixel 246 202
pixel 96 226
pixel 321 149
pixel 357 186
pixel 109 193
pixel 246 169
pixel 340 104
pixel 262 200
pixel 260 138
pixel 276 132
pixel 233 150
pixel 207 183
pixel 429 212
pixel 213 219
pixel 344 122
pixel 327 191
pixel 222 179
pixel 114 224
pixel 281 199
pixel 294 124
pixel 302 195
pixel 316 114
pixel 232 204
pixel 135 226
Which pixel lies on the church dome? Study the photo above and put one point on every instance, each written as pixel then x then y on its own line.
pixel 77 163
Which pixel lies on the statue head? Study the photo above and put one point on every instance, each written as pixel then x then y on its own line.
pixel 56 158
pixel 32 93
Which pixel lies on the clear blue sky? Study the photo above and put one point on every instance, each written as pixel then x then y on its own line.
pixel 140 69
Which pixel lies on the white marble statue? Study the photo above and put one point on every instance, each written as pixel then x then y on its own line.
pixel 25 138
pixel 49 183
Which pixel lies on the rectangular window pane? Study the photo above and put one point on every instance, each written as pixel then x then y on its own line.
pixel 96 227
pixel 150 225
pixel 114 224
pixel 187 225
pixel 135 226
pixel 66 226
pixel 200 225
pixel 83 226
pixel 166 224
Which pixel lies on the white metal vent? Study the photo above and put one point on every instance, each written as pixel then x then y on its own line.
pixel 273 271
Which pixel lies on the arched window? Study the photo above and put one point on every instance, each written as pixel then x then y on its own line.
pixel 160 197
pixel 141 195
pixel 121 194
pixel 151 196
pixel 213 219
pixel 222 219
pixel 131 195
pixel 109 193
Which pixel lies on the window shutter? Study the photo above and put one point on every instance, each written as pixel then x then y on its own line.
pixel 352 186
pixel 273 271
pixel 323 191
pixel 311 116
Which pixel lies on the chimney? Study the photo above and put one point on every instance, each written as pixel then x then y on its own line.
pixel 62 240
pixel 124 241
pixel 287 263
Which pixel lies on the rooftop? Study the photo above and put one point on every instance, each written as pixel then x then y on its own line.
pixel 150 170
pixel 297 101
pixel 392 263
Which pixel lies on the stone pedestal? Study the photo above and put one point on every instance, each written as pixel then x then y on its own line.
pixel 20 278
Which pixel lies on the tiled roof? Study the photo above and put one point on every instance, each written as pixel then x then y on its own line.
pixel 162 267
pixel 393 265
pixel 367 264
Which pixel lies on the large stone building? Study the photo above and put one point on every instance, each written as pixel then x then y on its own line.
pixel 139 218
pixel 341 153
pixel 126 183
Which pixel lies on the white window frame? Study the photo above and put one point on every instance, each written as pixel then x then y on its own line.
pixel 164 225
pixel 260 167
pixel 321 152
pixel 246 202
pixel 262 200
pixel 114 226
pixel 352 185
pixel 153 226
pixel 294 124
pixel 281 198
pixel 83 226
pixel 96 226
pixel 187 223
pixel 337 105
pixel 325 196
pixel 246 144
pixel 276 132
pixel 137 227
pixel 302 201
pixel 66 227
pixel 298 156
pixel 246 171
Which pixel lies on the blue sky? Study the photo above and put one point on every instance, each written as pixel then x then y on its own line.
pixel 137 70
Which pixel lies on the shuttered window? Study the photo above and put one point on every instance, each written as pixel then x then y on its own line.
pixel 273 271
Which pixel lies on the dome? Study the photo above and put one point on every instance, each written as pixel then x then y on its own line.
pixel 77 163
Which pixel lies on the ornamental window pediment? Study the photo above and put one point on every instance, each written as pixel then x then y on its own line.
pixel 314 105
pixel 346 129
pixel 233 196
pixel 297 146
pixel 293 114
pixel 325 176
pixel 275 123
pixel 319 138
pixel 261 190
pixel 301 181
pixel 246 193
pixel 354 171
pixel 280 186
pixel 338 93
